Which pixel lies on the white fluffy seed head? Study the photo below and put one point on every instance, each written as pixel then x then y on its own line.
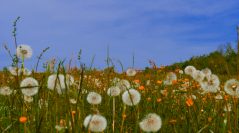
pixel 198 76
pixel 206 71
pixel 213 80
pixel 207 88
pixel 189 70
pixel 94 98
pixel 24 71
pixel 123 85
pixel 170 77
pixel 57 82
pixel 131 97
pixel 73 101
pixel 231 87
pixel 5 91
pixel 211 85
pixel 151 123
pixel 115 80
pixel 180 72
pixel 218 97
pixel 113 91
pixel 13 71
pixel 29 86
pixel 24 51
pixel 131 72
pixel 95 123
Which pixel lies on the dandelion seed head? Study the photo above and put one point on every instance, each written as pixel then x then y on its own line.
pixel 94 98
pixel 151 123
pixel 206 71
pixel 123 85
pixel 57 82
pixel 170 77
pixel 218 97
pixel 131 97
pixel 198 75
pixel 73 101
pixel 115 80
pixel 231 87
pixel 24 51
pixel 5 91
pixel 113 91
pixel 211 85
pixel 30 86
pixel 131 72
pixel 95 123
pixel 180 72
pixel 189 70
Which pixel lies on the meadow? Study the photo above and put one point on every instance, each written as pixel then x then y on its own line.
pixel 83 99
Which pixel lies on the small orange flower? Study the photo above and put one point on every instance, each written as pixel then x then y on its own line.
pixel 159 100
pixel 159 81
pixel 189 102
pixel 123 116
pixel 23 119
pixel 174 82
pixel 209 119
pixel 141 88
pixel 226 97
pixel 73 112
pixel 173 121
pixel 136 81
pixel 149 99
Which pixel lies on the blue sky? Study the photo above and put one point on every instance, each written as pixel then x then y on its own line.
pixel 165 31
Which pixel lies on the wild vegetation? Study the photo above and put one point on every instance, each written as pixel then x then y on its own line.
pixel 184 97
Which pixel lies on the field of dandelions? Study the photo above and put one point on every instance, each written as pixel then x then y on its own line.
pixel 81 100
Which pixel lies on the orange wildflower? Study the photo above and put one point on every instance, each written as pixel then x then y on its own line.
pixel 124 116
pixel 159 81
pixel 189 102
pixel 226 97
pixel 141 88
pixel 73 112
pixel 173 121
pixel 159 100
pixel 149 99
pixel 23 119
pixel 174 82
pixel 136 81
pixel 209 119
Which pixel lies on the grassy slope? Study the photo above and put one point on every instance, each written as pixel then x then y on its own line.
pixel 221 62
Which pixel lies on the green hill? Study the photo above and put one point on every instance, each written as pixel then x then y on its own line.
pixel 222 62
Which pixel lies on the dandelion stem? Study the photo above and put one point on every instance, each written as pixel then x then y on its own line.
pixel 113 123
pixel 122 123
